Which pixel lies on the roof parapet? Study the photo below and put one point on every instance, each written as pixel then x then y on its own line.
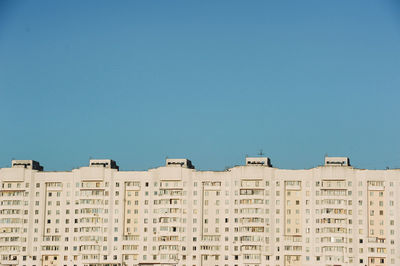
pixel 185 163
pixel 28 164
pixel 106 163
pixel 263 161
pixel 337 161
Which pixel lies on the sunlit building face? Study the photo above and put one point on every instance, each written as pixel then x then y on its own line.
pixel 252 214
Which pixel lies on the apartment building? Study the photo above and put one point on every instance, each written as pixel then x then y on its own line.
pixel 252 215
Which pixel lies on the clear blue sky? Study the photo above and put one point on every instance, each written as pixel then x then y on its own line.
pixel 208 80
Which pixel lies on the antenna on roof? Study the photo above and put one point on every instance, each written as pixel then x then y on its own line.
pixel 261 153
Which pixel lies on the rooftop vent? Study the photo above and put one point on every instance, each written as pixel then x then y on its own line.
pixel 28 164
pixel 337 161
pixel 179 162
pixel 106 163
pixel 264 161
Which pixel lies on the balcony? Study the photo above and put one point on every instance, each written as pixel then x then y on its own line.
pixel 293 185
pixel 293 238
pixel 251 258
pixel 169 193
pixel 92 186
pixel 131 238
pixel 376 187
pixel 333 184
pixel 132 183
pixel 10 262
pixel 211 188
pixel 376 240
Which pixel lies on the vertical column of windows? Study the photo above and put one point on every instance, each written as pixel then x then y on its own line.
pixel 53 223
pixel 132 230
pixel 12 211
pixel 170 213
pixel 293 223
pixel 251 228
pixel 90 219
pixel 376 223
pixel 211 230
pixel 333 222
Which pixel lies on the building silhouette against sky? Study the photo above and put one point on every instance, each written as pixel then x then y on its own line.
pixel 252 214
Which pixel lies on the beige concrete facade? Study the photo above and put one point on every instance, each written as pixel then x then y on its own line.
pixel 251 215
